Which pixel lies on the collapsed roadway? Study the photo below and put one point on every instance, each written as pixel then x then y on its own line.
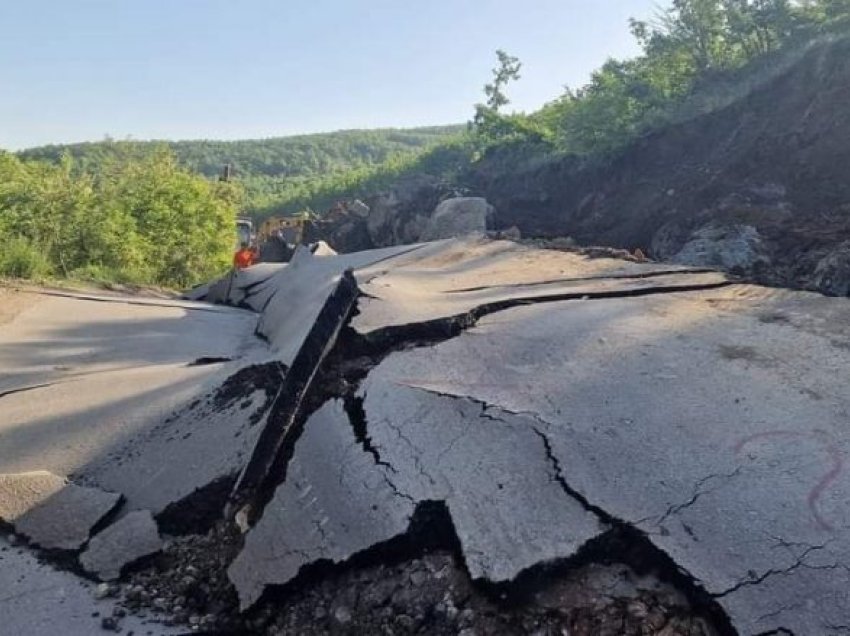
pixel 504 421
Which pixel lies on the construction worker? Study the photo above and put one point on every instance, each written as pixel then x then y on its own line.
pixel 244 258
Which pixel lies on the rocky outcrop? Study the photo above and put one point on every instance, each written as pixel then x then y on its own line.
pixel 397 216
pixel 735 248
pixel 759 187
pixel 417 208
pixel 348 234
pixel 457 217
pixel 832 273
pixel 400 215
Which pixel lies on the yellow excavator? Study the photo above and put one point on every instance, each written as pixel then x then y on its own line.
pixel 284 228
pixel 279 236
pixel 287 228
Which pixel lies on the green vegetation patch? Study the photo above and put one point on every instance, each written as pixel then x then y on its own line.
pixel 143 220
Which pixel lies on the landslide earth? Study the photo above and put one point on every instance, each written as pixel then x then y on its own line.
pixel 760 187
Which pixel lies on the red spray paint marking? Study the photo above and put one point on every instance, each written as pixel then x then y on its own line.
pixel 830 476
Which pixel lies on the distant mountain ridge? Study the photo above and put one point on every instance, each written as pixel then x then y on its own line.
pixel 298 155
pixel 279 174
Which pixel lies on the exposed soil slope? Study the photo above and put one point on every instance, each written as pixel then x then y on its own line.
pixel 777 161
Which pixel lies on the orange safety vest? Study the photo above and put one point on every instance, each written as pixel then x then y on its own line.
pixel 243 258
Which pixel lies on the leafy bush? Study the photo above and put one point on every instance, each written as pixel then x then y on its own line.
pixel 21 259
pixel 146 219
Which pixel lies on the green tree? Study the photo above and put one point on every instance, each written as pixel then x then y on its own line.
pixel 266 167
pixel 489 124
pixel 826 15
pixel 756 27
pixel 696 27
pixel 507 71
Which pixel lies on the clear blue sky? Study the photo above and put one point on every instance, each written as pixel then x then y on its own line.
pixel 75 70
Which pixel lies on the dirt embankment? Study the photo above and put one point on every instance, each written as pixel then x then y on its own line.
pixel 761 187
pixel 13 302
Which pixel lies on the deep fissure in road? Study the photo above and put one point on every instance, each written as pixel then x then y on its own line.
pixel 338 374
pixel 331 365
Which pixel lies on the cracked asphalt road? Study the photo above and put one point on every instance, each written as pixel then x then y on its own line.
pixel 552 405
pixel 103 373
pixel 733 467
pixel 689 415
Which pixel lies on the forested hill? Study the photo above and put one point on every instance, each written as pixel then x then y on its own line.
pixel 278 175
pixel 301 155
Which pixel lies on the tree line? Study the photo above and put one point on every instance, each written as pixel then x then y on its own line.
pixel 278 156
pixel 156 213
pixel 277 174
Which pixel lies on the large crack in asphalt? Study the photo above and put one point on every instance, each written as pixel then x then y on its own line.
pixel 623 543
pixel 287 416
pixel 204 361
pixel 579 279
pixel 331 364
pixel 24 389
pixel 631 545
pixel 199 511
pixel 357 418
pixel 381 342
pixel 337 374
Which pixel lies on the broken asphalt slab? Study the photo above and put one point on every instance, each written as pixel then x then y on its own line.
pixel 648 407
pixel 285 413
pixel 255 286
pixel 121 544
pixel 50 512
pixel 317 514
pixel 486 558
pixel 472 277
pixel 181 466
pixel 90 375
pixel 117 401
pixel 234 430
pixel 507 516
pixel 692 417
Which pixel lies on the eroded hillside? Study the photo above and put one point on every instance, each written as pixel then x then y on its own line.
pixel 761 187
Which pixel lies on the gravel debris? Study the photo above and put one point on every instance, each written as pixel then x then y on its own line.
pixel 427 594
